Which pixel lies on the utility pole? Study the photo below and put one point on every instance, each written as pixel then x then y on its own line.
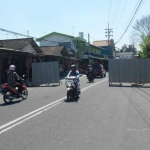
pixel 89 46
pixel 27 33
pixel 73 31
pixel 108 34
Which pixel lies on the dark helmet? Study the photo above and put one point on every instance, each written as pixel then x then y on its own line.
pixel 73 66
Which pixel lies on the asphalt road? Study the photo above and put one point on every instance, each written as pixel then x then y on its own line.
pixel 103 118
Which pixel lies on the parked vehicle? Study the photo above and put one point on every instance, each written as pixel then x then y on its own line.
pixel 9 93
pixel 99 71
pixel 71 90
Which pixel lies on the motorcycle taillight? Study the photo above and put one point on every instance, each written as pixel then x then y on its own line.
pixel 4 86
pixel 24 87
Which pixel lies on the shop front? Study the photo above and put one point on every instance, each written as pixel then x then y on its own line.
pixel 22 60
pixel 93 60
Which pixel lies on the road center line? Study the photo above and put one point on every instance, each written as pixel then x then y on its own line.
pixel 36 112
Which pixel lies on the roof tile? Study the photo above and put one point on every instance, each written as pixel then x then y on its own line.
pixel 19 44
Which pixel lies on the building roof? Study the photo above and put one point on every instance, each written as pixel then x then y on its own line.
pixel 61 34
pixel 95 46
pixel 52 50
pixel 70 52
pixel 8 51
pixel 125 53
pixel 19 44
pixel 100 43
pixel 57 50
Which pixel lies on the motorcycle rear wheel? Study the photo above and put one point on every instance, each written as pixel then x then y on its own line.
pixel 24 94
pixel 68 95
pixel 6 98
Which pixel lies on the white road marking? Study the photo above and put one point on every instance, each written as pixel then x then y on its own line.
pixel 6 129
pixel 138 130
pixel 36 112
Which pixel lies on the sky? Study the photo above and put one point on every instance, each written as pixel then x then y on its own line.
pixel 38 18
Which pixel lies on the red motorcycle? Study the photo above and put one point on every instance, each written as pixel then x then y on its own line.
pixel 9 93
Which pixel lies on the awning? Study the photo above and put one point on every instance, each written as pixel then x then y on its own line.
pixel 93 57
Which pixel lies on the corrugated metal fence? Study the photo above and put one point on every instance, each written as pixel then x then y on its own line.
pixel 45 73
pixel 129 70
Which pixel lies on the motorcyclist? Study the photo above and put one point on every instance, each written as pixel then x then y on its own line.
pixel 12 76
pixel 90 70
pixel 74 72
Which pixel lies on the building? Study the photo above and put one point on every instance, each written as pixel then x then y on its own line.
pixel 85 52
pixel 59 39
pixel 21 53
pixel 125 55
pixel 107 51
pixel 63 55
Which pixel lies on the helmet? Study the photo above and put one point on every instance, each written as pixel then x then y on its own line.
pixel 12 67
pixel 73 66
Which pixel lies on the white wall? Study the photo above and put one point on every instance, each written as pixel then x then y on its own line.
pixel 54 40
pixel 126 56
pixel 29 49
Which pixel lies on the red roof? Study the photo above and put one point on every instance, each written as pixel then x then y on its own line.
pixel 100 43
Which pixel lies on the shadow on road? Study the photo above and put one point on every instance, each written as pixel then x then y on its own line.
pixel 39 86
pixel 90 82
pixel 12 103
pixel 72 100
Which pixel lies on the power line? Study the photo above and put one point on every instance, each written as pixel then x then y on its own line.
pixel 130 21
pixel 132 13
pixel 15 33
pixel 113 11
pixel 109 9
pixel 121 14
pixel 93 38
pixel 116 12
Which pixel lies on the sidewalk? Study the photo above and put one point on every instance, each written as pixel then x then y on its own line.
pixel 140 85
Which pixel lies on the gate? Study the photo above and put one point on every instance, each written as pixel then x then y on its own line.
pixel 129 70
pixel 45 73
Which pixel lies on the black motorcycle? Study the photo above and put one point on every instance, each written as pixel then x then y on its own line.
pixel 90 75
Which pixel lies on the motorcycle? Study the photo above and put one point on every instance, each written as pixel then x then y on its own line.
pixel 90 76
pixel 9 93
pixel 71 90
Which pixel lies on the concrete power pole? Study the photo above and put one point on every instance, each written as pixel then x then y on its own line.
pixel 108 34
pixel 89 46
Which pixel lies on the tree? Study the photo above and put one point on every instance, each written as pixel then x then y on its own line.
pixel 128 48
pixel 145 46
pixel 142 28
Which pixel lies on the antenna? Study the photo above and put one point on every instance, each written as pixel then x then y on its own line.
pixel 73 31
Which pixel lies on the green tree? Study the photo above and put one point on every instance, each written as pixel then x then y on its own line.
pixel 145 48
pixel 128 48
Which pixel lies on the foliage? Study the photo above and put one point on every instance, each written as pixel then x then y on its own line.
pixel 128 48
pixel 145 48
pixel 142 27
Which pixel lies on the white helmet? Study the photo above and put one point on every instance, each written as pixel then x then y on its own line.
pixel 12 67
